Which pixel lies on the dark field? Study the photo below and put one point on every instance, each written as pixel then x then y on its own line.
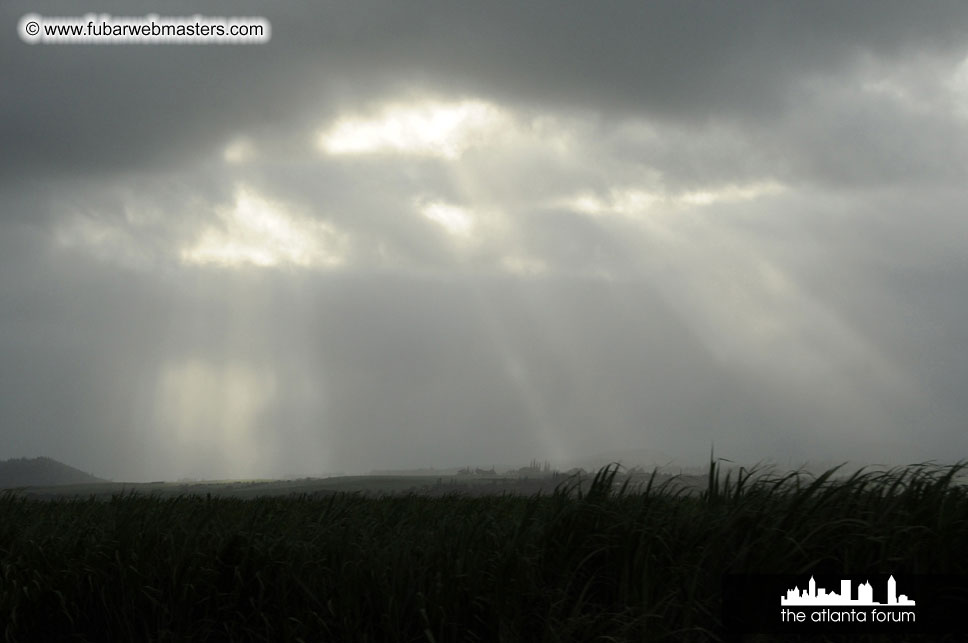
pixel 597 561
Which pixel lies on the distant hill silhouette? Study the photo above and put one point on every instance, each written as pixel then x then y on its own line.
pixel 40 472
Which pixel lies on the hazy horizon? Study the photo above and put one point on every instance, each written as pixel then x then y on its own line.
pixel 402 236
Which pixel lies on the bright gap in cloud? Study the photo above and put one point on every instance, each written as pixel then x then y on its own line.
pixel 240 150
pixel 428 128
pixel 259 232
pixel 729 193
pixel 634 202
pixel 454 219
pixel 626 202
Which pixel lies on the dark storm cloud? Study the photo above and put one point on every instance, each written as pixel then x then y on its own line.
pixel 88 109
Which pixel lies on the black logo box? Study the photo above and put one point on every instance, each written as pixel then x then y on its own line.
pixel 751 603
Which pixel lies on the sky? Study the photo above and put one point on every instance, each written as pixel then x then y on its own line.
pixel 436 234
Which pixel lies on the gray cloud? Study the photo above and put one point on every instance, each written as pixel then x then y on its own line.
pixel 89 110
pixel 738 223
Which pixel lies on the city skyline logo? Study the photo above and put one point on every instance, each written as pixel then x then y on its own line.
pixel 816 601
pixel 814 596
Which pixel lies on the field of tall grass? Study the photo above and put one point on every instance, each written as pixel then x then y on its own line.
pixel 592 562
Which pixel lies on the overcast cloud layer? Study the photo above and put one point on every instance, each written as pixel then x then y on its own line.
pixel 423 234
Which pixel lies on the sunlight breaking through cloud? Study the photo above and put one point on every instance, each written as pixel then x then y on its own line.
pixel 455 220
pixel 263 233
pixel 212 410
pixel 240 150
pixel 729 193
pixel 429 128
pixel 634 201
